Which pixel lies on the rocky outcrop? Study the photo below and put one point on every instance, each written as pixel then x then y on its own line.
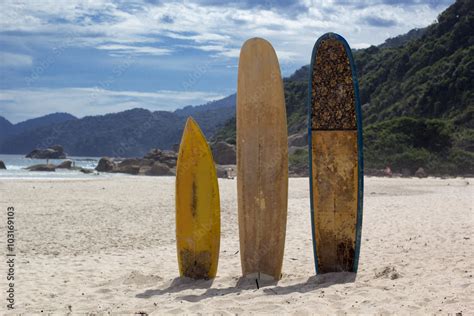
pixel 155 163
pixel 66 164
pixel 2 165
pixel 167 157
pixel 53 152
pixel 156 169
pixel 421 173
pixel 129 162
pixel 223 153
pixel 134 166
pixel 130 169
pixel 86 171
pixel 387 172
pixel 226 171
pixel 105 165
pixel 42 167
pixel 296 171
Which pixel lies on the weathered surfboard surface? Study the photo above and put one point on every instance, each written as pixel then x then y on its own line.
pixel 197 206
pixel 262 160
pixel 336 164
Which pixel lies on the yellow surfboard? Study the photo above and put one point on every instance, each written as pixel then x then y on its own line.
pixel 197 206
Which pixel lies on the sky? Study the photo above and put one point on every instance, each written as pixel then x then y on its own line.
pixel 90 57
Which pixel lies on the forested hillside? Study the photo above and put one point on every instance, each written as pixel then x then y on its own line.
pixel 417 96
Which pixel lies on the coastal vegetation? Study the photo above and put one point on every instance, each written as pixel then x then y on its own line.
pixel 417 98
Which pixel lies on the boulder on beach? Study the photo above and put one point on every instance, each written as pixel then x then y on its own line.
pixel 129 162
pixel 157 169
pixel 86 171
pixel 66 164
pixel 156 162
pixel 134 166
pixel 2 165
pixel 52 152
pixel 298 170
pixel 226 171
pixel 105 165
pixel 167 157
pixel 130 169
pixel 42 167
pixel 387 172
pixel 221 171
pixel 223 153
pixel 421 173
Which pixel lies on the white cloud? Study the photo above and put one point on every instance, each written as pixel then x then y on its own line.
pixel 213 28
pixel 127 49
pixel 90 101
pixel 15 60
pixel 168 27
pixel 361 45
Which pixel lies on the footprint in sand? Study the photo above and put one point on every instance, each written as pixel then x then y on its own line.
pixel 387 272
pixel 137 278
pixel 134 278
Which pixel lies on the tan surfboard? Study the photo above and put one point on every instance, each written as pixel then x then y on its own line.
pixel 262 160
pixel 336 161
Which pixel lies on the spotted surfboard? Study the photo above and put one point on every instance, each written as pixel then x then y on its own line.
pixel 335 156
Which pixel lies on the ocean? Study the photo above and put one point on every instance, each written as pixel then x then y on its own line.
pixel 16 165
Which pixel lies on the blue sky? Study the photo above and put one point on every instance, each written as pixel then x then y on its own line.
pixel 94 57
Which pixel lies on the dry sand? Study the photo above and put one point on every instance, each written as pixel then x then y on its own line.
pixel 108 245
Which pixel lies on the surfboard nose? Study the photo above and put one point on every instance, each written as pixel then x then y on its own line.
pixel 256 44
pixel 256 41
pixel 190 124
pixel 192 129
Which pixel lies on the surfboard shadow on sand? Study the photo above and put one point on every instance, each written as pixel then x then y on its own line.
pixel 313 283
pixel 177 285
pixel 182 284
pixel 243 284
pixel 249 284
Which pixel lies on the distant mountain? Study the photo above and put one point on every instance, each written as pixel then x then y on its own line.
pixel 129 133
pixel 212 115
pixel 5 128
pixel 42 121
pixel 8 129
pixel 417 94
pixel 221 105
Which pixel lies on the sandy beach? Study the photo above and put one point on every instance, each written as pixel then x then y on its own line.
pixel 108 245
